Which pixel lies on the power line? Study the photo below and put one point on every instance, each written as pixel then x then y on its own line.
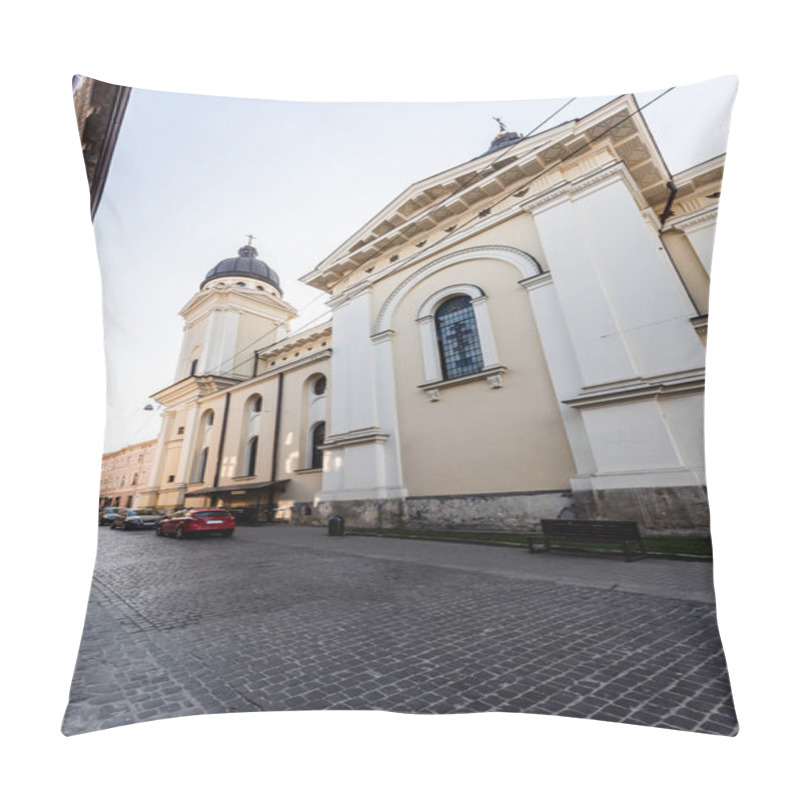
pixel 470 222
pixel 477 175
pixel 474 220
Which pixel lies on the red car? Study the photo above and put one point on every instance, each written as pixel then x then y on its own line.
pixel 197 520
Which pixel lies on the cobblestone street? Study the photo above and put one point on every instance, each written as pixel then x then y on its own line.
pixel 290 619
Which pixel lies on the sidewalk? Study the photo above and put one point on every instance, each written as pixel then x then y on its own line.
pixel 681 580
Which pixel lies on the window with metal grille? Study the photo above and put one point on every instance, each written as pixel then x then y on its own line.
pixel 457 336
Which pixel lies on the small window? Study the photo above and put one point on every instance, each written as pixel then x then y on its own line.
pixel 241 283
pixel 180 430
pixel 320 385
pixel 171 479
pixel 193 368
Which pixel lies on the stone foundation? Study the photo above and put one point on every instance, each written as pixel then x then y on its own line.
pixel 672 510
pixel 668 510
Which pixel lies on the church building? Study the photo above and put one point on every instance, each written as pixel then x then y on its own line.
pixel 521 336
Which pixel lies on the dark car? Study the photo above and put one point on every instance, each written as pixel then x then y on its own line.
pixel 106 515
pixel 197 520
pixel 136 518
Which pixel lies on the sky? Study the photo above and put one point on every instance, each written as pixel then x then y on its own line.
pixel 193 175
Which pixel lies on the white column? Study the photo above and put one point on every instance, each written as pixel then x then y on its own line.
pixel 699 229
pixel 154 478
pixel 564 371
pixel 617 335
pixel 361 461
pixel 387 413
pixel 353 404
pixel 190 432
pixel 625 307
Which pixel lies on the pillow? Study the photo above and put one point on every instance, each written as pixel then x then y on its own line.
pixel 405 407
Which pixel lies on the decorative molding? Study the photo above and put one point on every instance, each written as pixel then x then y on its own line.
pixel 537 281
pixel 663 386
pixel 583 185
pixel 361 436
pixel 383 336
pixel 700 324
pixel 362 287
pixel 694 221
pixel 301 361
pixel 524 262
pixel 475 293
pixel 492 375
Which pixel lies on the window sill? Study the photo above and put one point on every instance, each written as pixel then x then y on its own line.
pixel 492 375
pixel 307 470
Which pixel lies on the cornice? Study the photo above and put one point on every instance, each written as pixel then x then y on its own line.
pixel 694 221
pixel 692 382
pixel 320 355
pixel 583 185
pixel 360 436
pixel 492 375
pixel 537 281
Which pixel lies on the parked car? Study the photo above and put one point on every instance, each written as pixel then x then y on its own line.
pixel 106 515
pixel 136 518
pixel 197 520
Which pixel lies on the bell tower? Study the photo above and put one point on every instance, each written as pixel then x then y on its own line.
pixel 238 309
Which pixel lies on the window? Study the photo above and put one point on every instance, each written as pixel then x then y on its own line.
pixel 317 438
pixel 320 385
pixel 201 465
pixel 457 337
pixel 255 404
pixel 193 368
pixel 202 447
pixel 252 452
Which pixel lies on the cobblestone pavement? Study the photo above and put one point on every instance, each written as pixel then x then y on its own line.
pixel 290 619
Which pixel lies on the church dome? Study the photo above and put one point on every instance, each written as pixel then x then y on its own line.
pixel 245 265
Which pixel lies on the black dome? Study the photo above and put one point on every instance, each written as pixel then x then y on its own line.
pixel 246 265
pixel 504 138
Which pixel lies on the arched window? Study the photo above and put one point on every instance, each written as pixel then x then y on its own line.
pixel 457 337
pixel 202 447
pixel 251 454
pixel 320 385
pixel 193 367
pixel 201 465
pixel 317 438
pixel 255 404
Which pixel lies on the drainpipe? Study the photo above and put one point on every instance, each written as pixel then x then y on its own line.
pixel 221 445
pixel 666 213
pixel 275 443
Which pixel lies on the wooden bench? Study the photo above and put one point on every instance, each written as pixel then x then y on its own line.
pixel 583 530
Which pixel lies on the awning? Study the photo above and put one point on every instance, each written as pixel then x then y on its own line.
pixel 241 488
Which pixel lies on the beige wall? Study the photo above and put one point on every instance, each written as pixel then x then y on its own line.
pixel 518 231
pixel 478 439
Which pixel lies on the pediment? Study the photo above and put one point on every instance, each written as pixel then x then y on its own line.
pixel 429 207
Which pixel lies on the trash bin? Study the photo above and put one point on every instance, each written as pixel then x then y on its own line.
pixel 336 526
